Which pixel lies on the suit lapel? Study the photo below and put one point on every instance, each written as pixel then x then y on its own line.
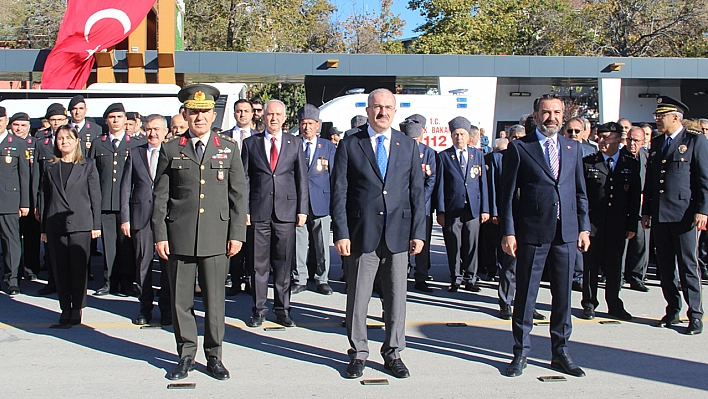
pixel 566 149
pixel 674 144
pixel 394 153
pixel 365 144
pixel 453 155
pixel 260 148
pixel 533 148
pixel 285 142
pixel 55 172
pixel 143 151
pixel 75 172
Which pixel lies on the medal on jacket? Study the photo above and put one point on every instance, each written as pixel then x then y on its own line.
pixel 682 148
pixel 8 157
pixel 428 172
pixel 220 175
pixel 88 141
pixel 475 170
pixel 319 165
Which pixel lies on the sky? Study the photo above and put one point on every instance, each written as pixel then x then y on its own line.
pixel 412 18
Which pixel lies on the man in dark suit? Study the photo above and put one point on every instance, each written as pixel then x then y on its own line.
pixel 637 253
pixel 613 190
pixel 111 152
pixel 313 237
pixel 462 204
pixel 136 196
pixel 87 128
pixel 199 221
pixel 378 218
pixel 276 183
pixel 675 204
pixel 544 217
pixel 14 200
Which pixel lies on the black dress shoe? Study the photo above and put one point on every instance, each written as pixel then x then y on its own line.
pixel 217 369
pixel 588 313
pixel 668 321
pixel 638 287
pixel 65 318
pixel 516 367
pixel 234 290
pixel 577 286
pixel 538 316
pixel 185 365
pixel 505 312
pixel 422 287
pixel 105 290
pixel 166 320
pixel 46 290
pixel 75 318
pixel 298 288
pixel 355 369
pixel 285 320
pixel 453 288
pixel 565 364
pixel 247 286
pixel 620 314
pixel 472 287
pixel 429 278
pixel 13 290
pixel 324 289
pixel 397 368
pixel 256 321
pixel 695 327
pixel 141 320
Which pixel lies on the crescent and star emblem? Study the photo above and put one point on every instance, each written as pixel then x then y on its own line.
pixel 108 13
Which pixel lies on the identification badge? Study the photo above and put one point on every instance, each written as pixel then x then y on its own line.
pixel 220 175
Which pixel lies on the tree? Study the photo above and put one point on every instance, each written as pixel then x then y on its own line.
pixel 31 23
pixel 370 32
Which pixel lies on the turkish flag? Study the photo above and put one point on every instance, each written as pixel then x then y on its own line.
pixel 89 26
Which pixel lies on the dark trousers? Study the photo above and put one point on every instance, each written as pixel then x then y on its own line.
pixel 117 252
pixel 507 279
pixel 237 266
pixel 606 252
pixel 422 260
pixel 488 244
pixel 676 243
pixel 530 262
pixel 11 248
pixel 637 257
pixel 29 230
pixel 70 254
pixel 182 272
pixel 144 251
pixel 703 253
pixel 460 235
pixel 273 246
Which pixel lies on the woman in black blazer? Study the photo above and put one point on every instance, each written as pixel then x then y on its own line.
pixel 70 211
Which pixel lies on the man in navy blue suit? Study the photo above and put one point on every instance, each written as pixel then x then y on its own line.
pixel 313 237
pixel 378 215
pixel 543 216
pixel 462 203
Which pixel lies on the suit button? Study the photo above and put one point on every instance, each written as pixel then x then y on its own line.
pixel 661 181
pixel 611 188
pixel 271 193
pixel 114 171
pixel 385 192
pixel 611 196
pixel 202 181
pixel 115 154
pixel 609 204
pixel 273 174
pixel 380 213
pixel 663 171
pixel 201 167
pixel 115 162
pixel 555 204
pixel 201 210
pixel 663 161
pixel 201 196
pixel 610 179
pixel 114 179
pixel 661 191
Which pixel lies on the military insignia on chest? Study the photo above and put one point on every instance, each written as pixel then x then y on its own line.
pixel 682 148
pixel 220 174
pixel 475 171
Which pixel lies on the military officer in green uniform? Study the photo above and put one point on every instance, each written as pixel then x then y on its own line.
pixel 199 221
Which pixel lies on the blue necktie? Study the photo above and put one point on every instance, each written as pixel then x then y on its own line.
pixel 667 144
pixel 381 156
pixel 307 152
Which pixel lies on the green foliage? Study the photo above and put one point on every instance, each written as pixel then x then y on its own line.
pixel 292 95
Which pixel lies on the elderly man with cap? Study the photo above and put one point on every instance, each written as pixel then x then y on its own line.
pixel 413 127
pixel 461 203
pixel 110 152
pixel 199 221
pixel 14 200
pixel 614 191
pixel 675 205
pixel 313 238
pixel 88 129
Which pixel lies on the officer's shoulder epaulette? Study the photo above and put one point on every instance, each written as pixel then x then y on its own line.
pixel 593 158
pixel 629 158
pixel 171 139
pixel 227 138
pixel 693 131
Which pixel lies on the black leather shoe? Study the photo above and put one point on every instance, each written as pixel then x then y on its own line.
pixel 588 313
pixel 65 318
pixel 324 289
pixel 620 314
pixel 298 288
pixel 285 320
pixel 46 290
pixel 234 289
pixel 166 320
pixel 668 321
pixel 516 367
pixel 75 318
pixel 256 321
pixel 13 290
pixel 538 316
pixel 141 320
pixel 185 365
pixel 505 312
pixel 638 287
pixel 565 364
pixel 397 368
pixel 422 287
pixel 217 369
pixel 105 290
pixel 472 287
pixel 577 286
pixel 355 369
pixel 453 288
pixel 695 327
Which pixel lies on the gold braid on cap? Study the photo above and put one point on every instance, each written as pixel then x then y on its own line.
pixel 662 109
pixel 199 101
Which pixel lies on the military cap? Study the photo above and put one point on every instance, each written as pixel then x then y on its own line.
pixel 20 116
pixel 198 96
pixel 411 128
pixel 460 122
pixel 132 115
pixel 115 107
pixel 77 99
pixel 308 111
pixel 612 127
pixel 665 104
pixel 333 130
pixel 418 118
pixel 55 109
pixel 359 120
pixel 3 113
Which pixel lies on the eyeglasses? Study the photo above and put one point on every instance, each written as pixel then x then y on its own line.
pixel 257 109
pixel 57 119
pixel 379 107
pixel 576 131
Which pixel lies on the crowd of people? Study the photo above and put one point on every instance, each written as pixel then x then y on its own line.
pixel 553 198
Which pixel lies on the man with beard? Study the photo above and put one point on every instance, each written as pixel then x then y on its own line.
pixel 543 216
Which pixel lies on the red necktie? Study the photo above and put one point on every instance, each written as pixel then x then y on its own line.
pixel 273 154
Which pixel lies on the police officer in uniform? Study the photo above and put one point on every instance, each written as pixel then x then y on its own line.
pixel 675 204
pixel 199 221
pixel 614 191
pixel 110 152
pixel 14 200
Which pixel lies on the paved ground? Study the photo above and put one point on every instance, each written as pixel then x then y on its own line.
pixel 109 357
